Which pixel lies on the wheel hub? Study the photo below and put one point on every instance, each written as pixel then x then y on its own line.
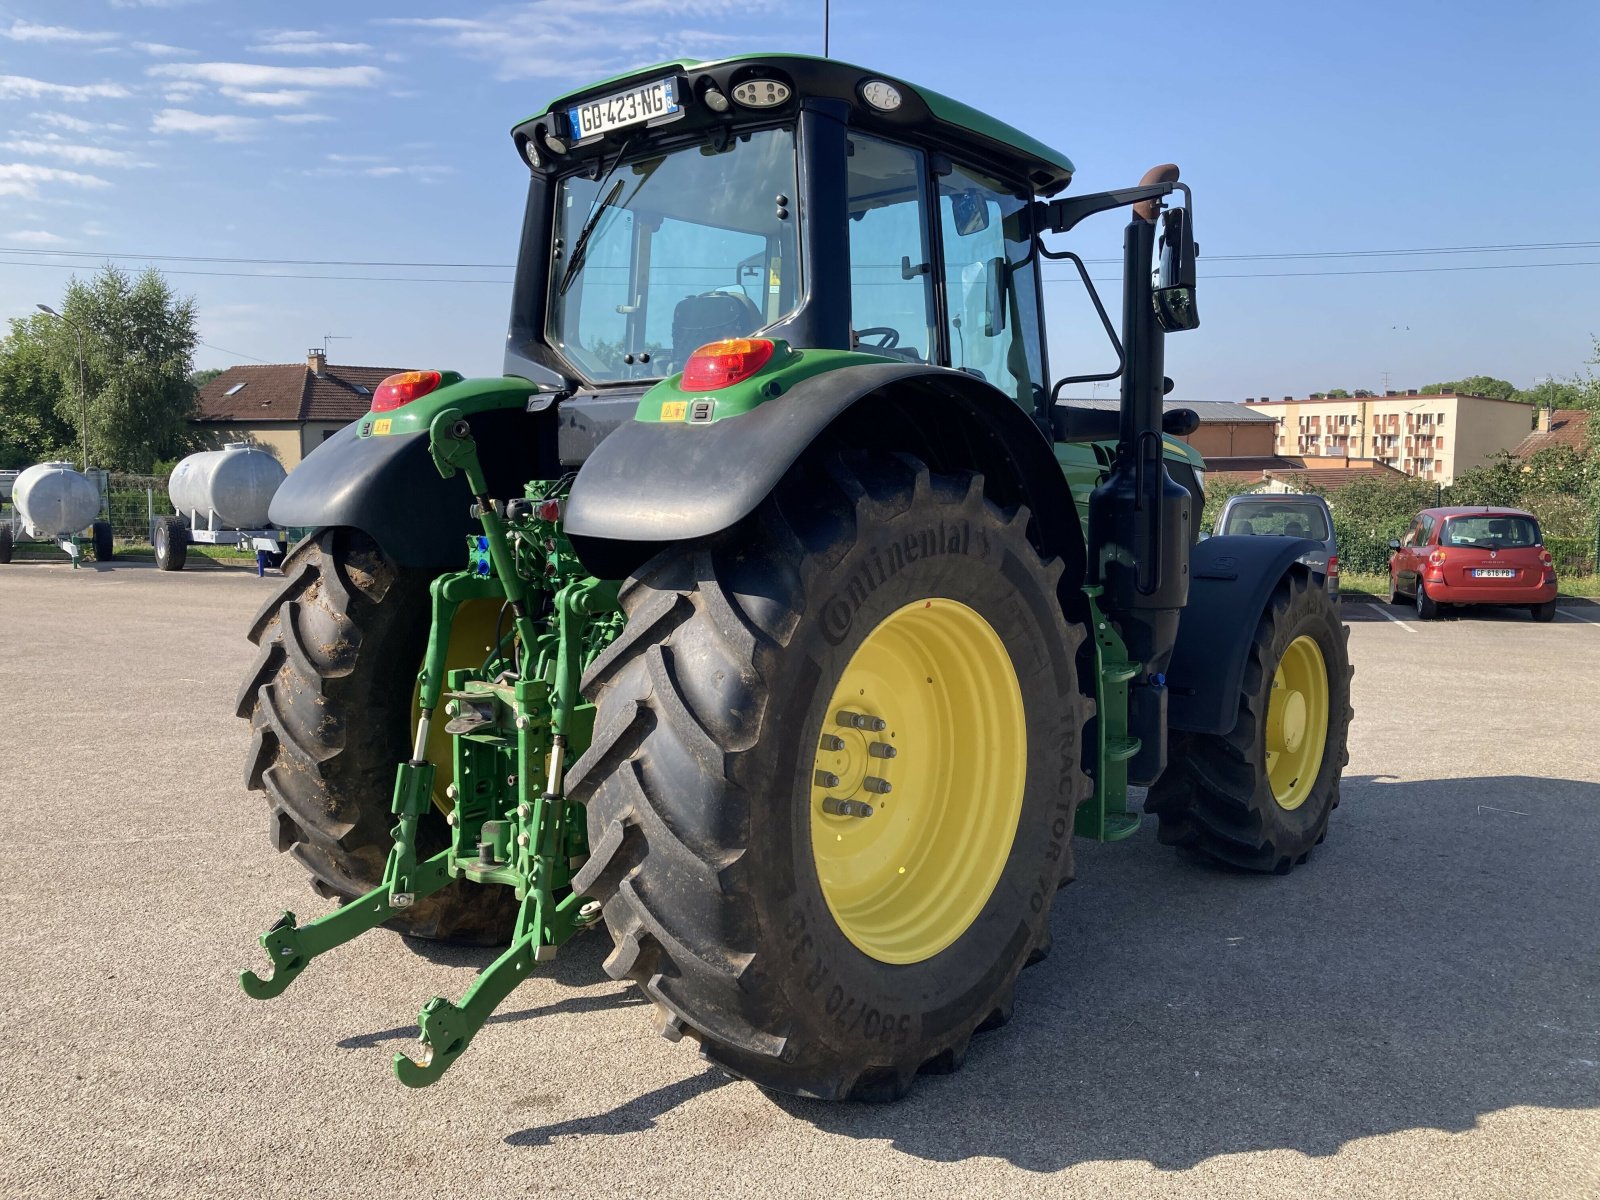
pixel 917 780
pixel 1297 722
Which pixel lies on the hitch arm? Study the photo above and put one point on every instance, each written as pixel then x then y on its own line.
pixel 291 946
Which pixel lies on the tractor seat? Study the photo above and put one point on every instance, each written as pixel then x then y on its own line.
pixel 710 317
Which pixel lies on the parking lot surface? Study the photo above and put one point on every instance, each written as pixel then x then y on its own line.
pixel 1416 1012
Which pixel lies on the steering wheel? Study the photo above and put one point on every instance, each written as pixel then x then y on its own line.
pixel 890 338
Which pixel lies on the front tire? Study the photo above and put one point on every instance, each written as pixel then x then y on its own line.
pixel 1252 798
pixel 104 547
pixel 171 541
pixel 329 705
pixel 719 740
pixel 7 542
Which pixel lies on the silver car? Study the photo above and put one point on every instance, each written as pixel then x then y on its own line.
pixel 1287 515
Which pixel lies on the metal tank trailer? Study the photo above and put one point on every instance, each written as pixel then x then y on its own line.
pixel 220 498
pixel 54 502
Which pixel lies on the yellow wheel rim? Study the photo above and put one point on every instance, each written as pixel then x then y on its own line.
pixel 925 729
pixel 1297 722
pixel 471 636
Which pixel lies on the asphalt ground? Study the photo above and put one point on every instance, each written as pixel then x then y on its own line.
pixel 1416 1012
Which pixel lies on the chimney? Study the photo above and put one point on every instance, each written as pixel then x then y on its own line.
pixel 1544 420
pixel 1411 391
pixel 316 360
pixel 1388 393
pixel 1287 399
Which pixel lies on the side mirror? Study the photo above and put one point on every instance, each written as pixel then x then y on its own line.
pixel 1394 543
pixel 969 212
pixel 994 297
pixel 1175 277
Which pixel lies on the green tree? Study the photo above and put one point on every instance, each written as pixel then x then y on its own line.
pixel 31 430
pixel 1369 512
pixel 1478 385
pixel 200 378
pixel 138 340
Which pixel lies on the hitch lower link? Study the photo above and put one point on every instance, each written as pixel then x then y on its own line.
pixel 540 828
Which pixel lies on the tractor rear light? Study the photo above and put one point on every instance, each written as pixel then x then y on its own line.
pixel 725 363
pixel 400 390
pixel 549 510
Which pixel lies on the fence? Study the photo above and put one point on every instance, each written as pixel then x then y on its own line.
pixel 131 502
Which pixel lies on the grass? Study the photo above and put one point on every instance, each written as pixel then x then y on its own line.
pixel 1378 586
pixel 48 551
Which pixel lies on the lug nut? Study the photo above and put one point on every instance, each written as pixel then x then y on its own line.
pixel 522 839
pixel 855 720
pixel 523 722
pixel 450 792
pixel 846 808
pixel 451 709
pixel 873 784
pixel 523 810
pixel 825 779
pixel 452 817
pixel 881 750
pixel 831 741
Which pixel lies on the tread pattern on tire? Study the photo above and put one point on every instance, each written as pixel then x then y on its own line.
pixel 1213 799
pixel 328 699
pixel 681 694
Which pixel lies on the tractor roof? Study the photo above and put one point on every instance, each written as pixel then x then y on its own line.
pixel 922 111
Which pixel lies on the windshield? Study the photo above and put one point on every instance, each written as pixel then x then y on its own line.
pixel 1277 518
pixel 660 255
pixel 1490 533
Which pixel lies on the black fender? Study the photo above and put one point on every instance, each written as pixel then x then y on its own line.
pixel 389 488
pixel 652 483
pixel 1230 581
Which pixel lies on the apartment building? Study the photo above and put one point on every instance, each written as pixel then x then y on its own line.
pixel 1430 437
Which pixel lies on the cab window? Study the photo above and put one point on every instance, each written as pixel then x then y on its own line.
pixel 891 282
pixel 990 283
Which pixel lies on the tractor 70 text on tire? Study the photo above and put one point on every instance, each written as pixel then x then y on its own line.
pixel 771 610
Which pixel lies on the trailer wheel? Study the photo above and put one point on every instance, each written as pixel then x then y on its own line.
pixel 832 783
pixel 329 705
pixel 1259 796
pixel 171 540
pixel 6 543
pixel 104 549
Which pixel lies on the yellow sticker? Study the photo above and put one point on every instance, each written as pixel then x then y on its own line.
pixel 674 410
pixel 381 426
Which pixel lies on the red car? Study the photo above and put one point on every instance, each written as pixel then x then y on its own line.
pixel 1473 556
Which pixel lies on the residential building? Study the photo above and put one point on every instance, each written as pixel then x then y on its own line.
pixel 1286 473
pixel 1562 427
pixel 288 409
pixel 1430 437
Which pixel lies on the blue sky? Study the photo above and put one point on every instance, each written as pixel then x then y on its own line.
pixel 377 132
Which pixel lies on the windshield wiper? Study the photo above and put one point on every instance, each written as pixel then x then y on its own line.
pixel 580 245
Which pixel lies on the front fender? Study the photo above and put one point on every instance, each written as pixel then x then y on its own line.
pixel 1230 581
pixel 376 475
pixel 652 482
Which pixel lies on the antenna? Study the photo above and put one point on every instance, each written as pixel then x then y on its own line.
pixel 333 337
pixel 1386 383
pixel 826 4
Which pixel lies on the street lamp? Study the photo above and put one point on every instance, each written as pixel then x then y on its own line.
pixel 83 389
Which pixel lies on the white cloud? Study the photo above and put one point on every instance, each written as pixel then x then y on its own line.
pixel 354 158
pixel 306 42
pixel 225 128
pixel 21 87
pixel 35 237
pixel 23 31
pixel 301 118
pixel 23 179
pixel 160 49
pixel 256 75
pixel 84 156
pixel 280 99
pixel 75 124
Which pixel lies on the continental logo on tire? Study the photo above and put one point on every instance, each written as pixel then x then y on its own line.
pixel 882 564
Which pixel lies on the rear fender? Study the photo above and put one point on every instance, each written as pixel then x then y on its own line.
pixel 375 474
pixel 1230 581
pixel 651 482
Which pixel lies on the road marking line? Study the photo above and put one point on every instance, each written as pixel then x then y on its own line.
pixel 1383 611
pixel 1567 612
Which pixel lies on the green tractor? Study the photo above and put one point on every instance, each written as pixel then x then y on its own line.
pixel 771 609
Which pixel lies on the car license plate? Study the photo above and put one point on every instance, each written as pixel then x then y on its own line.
pixel 632 107
pixel 1493 573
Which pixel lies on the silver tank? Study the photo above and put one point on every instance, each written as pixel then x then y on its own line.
pixel 236 482
pixel 55 500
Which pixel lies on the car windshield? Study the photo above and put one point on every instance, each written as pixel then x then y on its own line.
pixel 1490 532
pixel 662 253
pixel 1279 518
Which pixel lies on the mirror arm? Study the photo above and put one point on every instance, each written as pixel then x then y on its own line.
pixel 1059 216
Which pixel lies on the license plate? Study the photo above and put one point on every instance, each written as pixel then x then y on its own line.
pixel 1493 573
pixel 632 107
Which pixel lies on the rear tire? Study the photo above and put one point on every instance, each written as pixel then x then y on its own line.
pixel 7 542
pixel 1543 612
pixel 171 542
pixel 329 705
pixel 1216 796
pixel 104 548
pixel 700 781
pixel 1427 607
